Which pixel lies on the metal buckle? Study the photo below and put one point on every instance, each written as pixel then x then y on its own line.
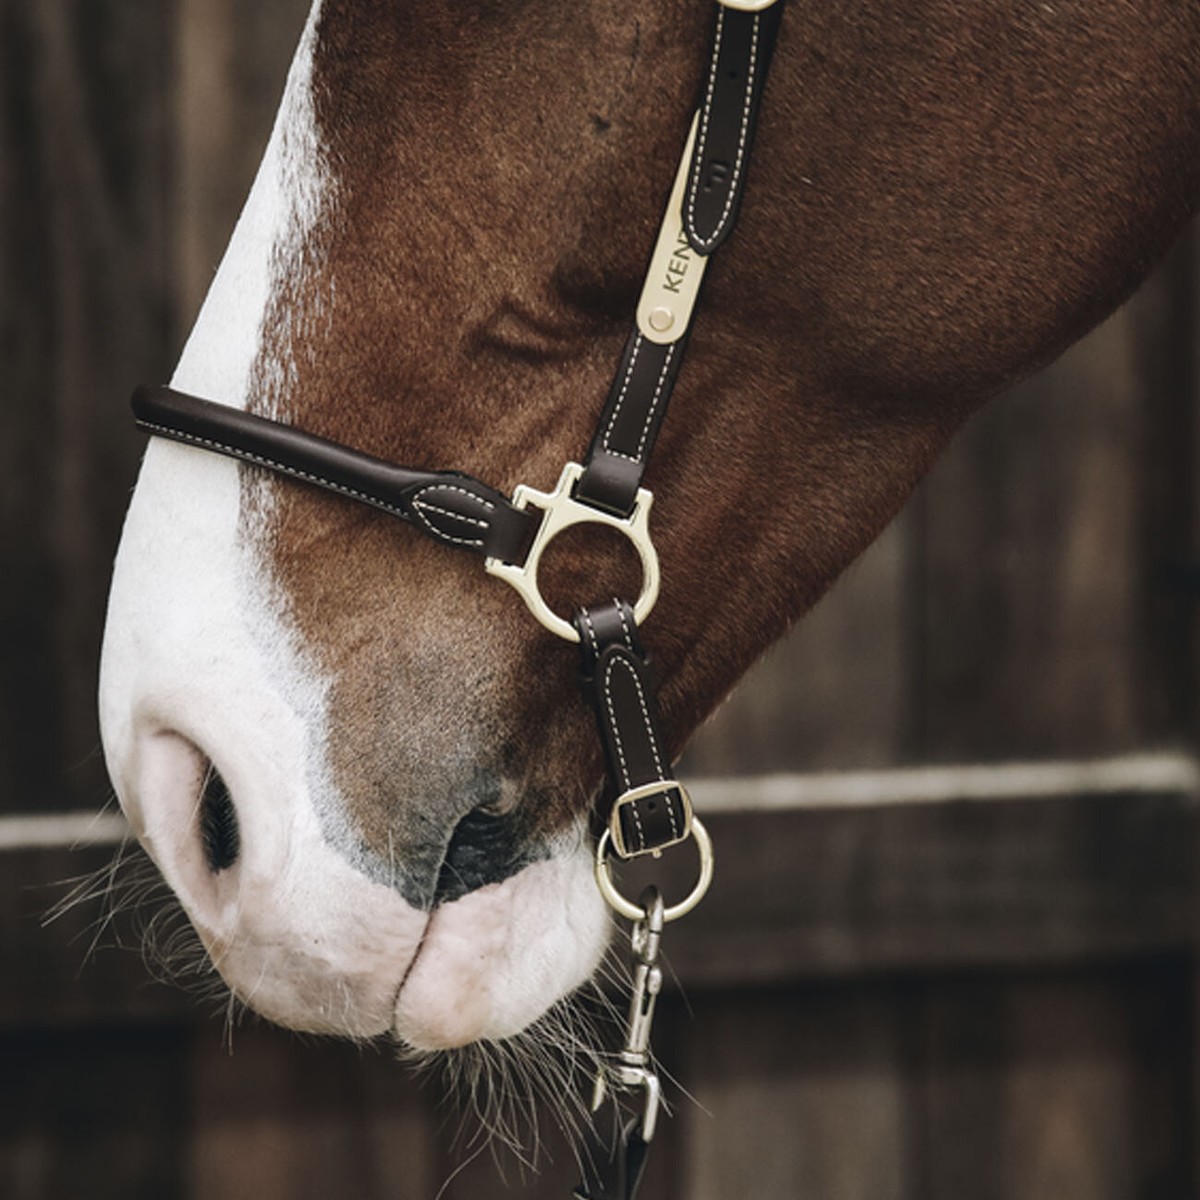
pixel 631 911
pixel 560 511
pixel 640 793
pixel 633 1068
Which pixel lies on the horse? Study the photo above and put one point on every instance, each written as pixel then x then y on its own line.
pixel 362 768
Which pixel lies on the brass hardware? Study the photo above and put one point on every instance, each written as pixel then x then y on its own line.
pixel 560 511
pixel 629 910
pixel 640 793
pixel 673 277
pixel 660 319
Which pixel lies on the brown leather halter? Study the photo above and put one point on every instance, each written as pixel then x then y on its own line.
pixel 646 809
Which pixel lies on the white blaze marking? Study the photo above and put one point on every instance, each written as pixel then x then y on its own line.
pixel 198 656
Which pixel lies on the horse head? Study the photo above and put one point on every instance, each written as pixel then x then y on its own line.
pixel 364 770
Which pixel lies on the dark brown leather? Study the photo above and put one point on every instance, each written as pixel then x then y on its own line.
pixel 617 680
pixel 450 507
pixel 637 400
pixel 737 69
pixel 629 423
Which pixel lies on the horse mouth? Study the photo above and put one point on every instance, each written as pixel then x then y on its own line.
pixel 493 960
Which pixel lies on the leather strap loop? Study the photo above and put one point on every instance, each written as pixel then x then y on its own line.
pixel 629 423
pixel 617 681
pixel 448 506
pixel 737 69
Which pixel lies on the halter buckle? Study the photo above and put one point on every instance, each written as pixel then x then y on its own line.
pixel 560 510
pixel 616 827
pixel 602 867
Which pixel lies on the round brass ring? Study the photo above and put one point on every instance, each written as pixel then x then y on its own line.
pixel 633 912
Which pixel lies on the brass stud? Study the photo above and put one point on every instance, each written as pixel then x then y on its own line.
pixel 661 319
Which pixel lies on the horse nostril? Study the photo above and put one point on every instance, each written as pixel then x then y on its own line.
pixel 218 823
pixel 484 848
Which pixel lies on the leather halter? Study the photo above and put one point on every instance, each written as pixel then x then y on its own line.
pixel 648 809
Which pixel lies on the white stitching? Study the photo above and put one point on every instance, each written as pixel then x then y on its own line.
pixel 449 512
pixel 637 683
pixel 649 421
pixel 702 136
pixel 621 614
pixel 649 728
pixel 237 452
pixel 322 481
pixel 616 728
pixel 462 491
pixel 662 379
pixel 587 620
pixel 616 412
pixel 671 817
pixel 419 505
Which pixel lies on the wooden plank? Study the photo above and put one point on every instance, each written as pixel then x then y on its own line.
pixel 277 1115
pixel 1048 625
pixel 84 228
pixel 798 894
pixel 831 694
pixel 798 1093
pixel 49 976
pixel 1048 1086
pixel 840 892
pixel 129 135
pixel 233 59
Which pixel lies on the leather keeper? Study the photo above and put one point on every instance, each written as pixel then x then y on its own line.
pixel 649 809
pixel 629 423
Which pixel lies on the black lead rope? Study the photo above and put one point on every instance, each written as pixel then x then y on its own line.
pixel 648 810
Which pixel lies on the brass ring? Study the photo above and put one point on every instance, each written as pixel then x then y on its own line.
pixel 631 911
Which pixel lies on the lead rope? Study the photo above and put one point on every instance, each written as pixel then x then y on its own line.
pixel 649 811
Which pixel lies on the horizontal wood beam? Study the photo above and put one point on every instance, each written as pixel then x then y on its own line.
pixel 817 877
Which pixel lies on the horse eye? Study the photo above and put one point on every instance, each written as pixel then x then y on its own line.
pixel 218 823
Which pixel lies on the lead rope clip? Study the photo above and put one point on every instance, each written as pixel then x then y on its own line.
pixel 632 1069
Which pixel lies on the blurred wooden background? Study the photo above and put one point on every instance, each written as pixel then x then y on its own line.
pixel 912 983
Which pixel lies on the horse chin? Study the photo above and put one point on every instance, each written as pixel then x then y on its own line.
pixel 305 939
pixel 493 961
pixel 482 968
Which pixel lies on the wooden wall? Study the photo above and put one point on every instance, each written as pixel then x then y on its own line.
pixel 936 999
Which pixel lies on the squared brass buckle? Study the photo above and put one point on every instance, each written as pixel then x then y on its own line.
pixel 625 799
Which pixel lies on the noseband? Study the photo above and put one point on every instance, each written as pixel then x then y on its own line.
pixel 647 810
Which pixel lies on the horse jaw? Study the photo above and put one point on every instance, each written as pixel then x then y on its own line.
pixel 200 665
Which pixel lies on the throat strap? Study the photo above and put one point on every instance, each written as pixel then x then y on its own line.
pixel 648 809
